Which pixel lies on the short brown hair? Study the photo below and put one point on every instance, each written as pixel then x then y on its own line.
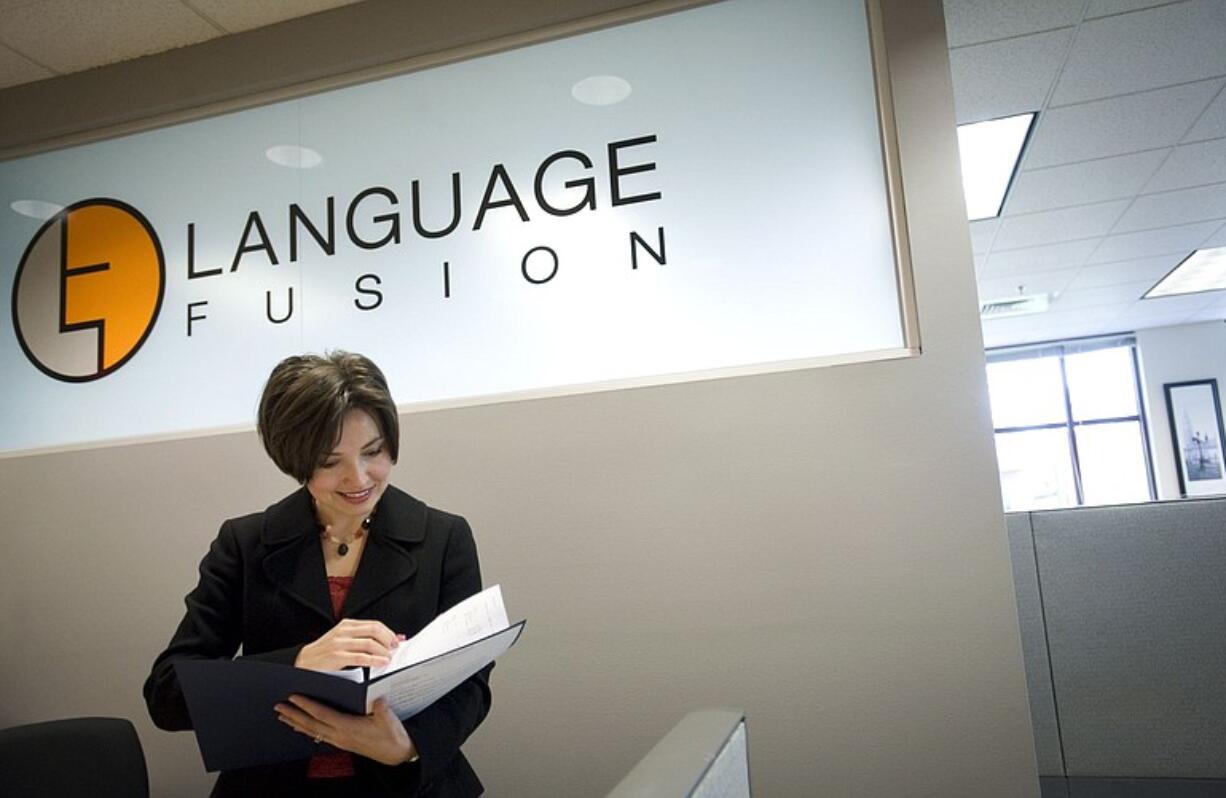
pixel 304 405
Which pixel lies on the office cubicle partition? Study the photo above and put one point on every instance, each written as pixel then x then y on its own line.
pixel 1123 618
pixel 706 755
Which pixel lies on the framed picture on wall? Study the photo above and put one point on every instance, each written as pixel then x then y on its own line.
pixel 1195 415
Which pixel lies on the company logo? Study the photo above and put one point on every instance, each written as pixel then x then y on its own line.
pixel 88 290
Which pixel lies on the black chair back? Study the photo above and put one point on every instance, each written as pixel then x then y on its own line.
pixel 74 758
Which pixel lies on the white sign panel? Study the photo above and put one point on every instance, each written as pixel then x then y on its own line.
pixel 697 191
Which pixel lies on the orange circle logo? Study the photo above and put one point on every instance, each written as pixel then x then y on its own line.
pixel 88 290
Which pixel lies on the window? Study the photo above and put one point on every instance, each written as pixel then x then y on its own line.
pixel 1069 424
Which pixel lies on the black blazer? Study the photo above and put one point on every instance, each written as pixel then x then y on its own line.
pixel 263 586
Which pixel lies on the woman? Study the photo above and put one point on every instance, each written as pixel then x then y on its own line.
pixel 332 576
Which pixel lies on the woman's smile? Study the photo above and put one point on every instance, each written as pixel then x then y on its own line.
pixel 358 497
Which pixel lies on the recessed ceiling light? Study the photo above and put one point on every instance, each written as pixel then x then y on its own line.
pixel 990 154
pixel 601 90
pixel 36 209
pixel 293 156
pixel 1203 270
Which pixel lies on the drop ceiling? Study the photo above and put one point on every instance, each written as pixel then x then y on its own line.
pixel 1123 177
pixel 44 38
pixel 1125 172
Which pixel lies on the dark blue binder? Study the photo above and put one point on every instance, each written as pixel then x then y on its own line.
pixel 231 701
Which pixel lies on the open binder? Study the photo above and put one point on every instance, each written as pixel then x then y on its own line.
pixel 231 701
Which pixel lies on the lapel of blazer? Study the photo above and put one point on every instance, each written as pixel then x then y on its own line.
pixel 399 521
pixel 294 561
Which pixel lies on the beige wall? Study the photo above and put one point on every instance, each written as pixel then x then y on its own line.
pixel 1176 354
pixel 824 549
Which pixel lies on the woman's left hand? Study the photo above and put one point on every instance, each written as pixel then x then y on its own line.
pixel 379 736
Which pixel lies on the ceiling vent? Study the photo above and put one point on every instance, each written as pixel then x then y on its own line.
pixel 1020 305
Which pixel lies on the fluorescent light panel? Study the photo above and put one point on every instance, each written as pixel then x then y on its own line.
pixel 1203 270
pixel 990 152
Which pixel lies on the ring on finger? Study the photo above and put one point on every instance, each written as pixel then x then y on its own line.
pixel 319 738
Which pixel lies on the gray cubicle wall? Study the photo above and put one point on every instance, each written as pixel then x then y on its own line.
pixel 1123 618
pixel 706 755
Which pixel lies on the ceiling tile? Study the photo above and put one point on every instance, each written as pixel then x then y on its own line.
pixel 1215 312
pixel 1097 297
pixel 1216 309
pixel 1015 330
pixel 1217 301
pixel 1191 165
pixel 1159 307
pixel 982 233
pixel 1143 121
pixel 972 21
pixel 1170 208
pixel 1082 183
pixel 239 15
pixel 16 69
pixel 1051 282
pixel 1217 239
pixel 1085 323
pixel 1167 241
pixel 1175 320
pixel 1212 124
pixel 1045 327
pixel 1036 259
pixel 1007 77
pixel 1066 224
pixel 1049 326
pixel 1102 8
pixel 1085 319
pixel 1127 53
pixel 1150 270
pixel 68 35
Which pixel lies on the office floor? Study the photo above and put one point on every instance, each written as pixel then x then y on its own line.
pixel 1055 787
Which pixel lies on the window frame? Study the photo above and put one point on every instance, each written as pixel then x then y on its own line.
pixel 1061 349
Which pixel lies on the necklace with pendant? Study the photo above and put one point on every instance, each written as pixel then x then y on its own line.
pixel 342 546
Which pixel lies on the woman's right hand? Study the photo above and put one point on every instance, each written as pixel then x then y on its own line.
pixel 351 642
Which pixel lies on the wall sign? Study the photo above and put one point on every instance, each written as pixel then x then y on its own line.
pixel 700 191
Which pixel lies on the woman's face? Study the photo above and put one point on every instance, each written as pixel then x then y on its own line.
pixel 352 477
